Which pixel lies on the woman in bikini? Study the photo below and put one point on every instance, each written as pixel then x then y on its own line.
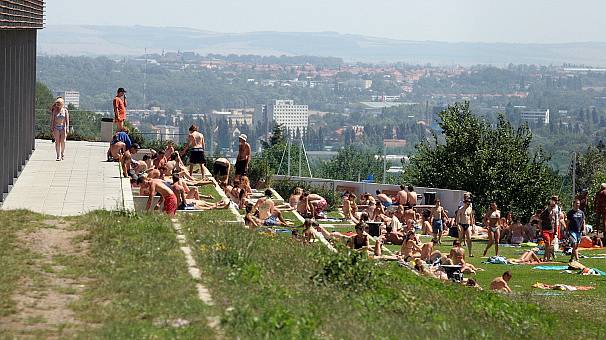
pixel 59 126
pixel 359 241
pixel 491 220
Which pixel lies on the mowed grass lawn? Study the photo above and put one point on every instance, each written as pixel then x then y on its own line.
pixel 275 287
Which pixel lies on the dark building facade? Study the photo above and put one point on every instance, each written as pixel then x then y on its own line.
pixel 19 22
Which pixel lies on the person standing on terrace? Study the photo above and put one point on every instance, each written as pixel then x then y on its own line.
pixel 243 157
pixel 412 196
pixel 59 126
pixel 491 220
pixel 195 142
pixel 120 108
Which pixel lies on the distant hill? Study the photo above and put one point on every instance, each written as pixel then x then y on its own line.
pixel 132 40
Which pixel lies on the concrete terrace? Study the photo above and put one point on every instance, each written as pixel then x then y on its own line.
pixel 83 182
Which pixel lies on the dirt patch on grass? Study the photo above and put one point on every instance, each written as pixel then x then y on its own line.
pixel 43 300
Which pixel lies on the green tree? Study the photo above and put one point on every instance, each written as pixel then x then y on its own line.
pixel 493 163
pixel 353 163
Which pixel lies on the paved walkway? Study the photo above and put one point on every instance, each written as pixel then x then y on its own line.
pixel 84 181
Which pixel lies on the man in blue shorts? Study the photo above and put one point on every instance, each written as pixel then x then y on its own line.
pixel 576 227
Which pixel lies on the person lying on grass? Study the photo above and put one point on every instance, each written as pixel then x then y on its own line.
pixel 430 271
pixel 500 284
pixel 528 257
pixel 195 204
pixel 457 255
pixel 268 212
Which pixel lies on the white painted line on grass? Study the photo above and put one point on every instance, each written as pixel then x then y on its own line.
pixel 203 293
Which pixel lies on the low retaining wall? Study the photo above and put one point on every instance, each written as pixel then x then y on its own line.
pixel 450 198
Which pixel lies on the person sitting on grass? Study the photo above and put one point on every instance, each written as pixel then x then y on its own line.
pixel 359 241
pixel 126 162
pixel 170 148
pixel 370 202
pixel 294 198
pixel 412 248
pixel 392 236
pixel 348 212
pixel 500 284
pixel 268 212
pixel 457 255
pixel 250 220
pixel 426 223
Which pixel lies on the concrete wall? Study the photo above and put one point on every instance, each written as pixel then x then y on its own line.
pixel 450 198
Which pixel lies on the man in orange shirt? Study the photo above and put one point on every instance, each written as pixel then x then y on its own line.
pixel 120 108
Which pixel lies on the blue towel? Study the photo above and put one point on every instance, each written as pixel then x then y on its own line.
pixel 550 267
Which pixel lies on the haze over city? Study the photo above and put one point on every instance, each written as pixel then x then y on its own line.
pixel 517 21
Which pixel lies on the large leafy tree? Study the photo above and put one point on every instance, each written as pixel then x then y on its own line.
pixel 494 163
pixel 353 163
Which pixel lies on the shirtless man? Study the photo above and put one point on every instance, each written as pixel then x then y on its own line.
pixel 412 196
pixel 384 199
pixel 402 195
pixel 438 215
pixel 465 218
pixel 312 203
pixel 243 157
pixel 499 284
pixel 195 142
pixel 268 213
pixel 166 195
pixel 517 232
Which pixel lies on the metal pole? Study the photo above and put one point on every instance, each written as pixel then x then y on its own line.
pixel 300 154
pixel 288 146
pixel 384 161
pixel 574 174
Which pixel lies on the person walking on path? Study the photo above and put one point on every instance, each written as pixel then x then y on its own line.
pixel 195 142
pixel 120 108
pixel 59 126
pixel 576 227
pixel 243 157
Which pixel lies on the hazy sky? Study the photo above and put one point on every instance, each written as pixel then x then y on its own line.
pixel 440 20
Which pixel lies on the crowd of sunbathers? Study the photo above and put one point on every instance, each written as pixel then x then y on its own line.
pixel 163 173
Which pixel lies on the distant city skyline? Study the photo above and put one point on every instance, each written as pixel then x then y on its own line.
pixel 514 21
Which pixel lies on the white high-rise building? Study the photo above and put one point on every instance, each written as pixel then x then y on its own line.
pixel 285 113
pixel 70 97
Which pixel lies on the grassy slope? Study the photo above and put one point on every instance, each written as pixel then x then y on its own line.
pixel 265 285
pixel 140 279
pixel 13 257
